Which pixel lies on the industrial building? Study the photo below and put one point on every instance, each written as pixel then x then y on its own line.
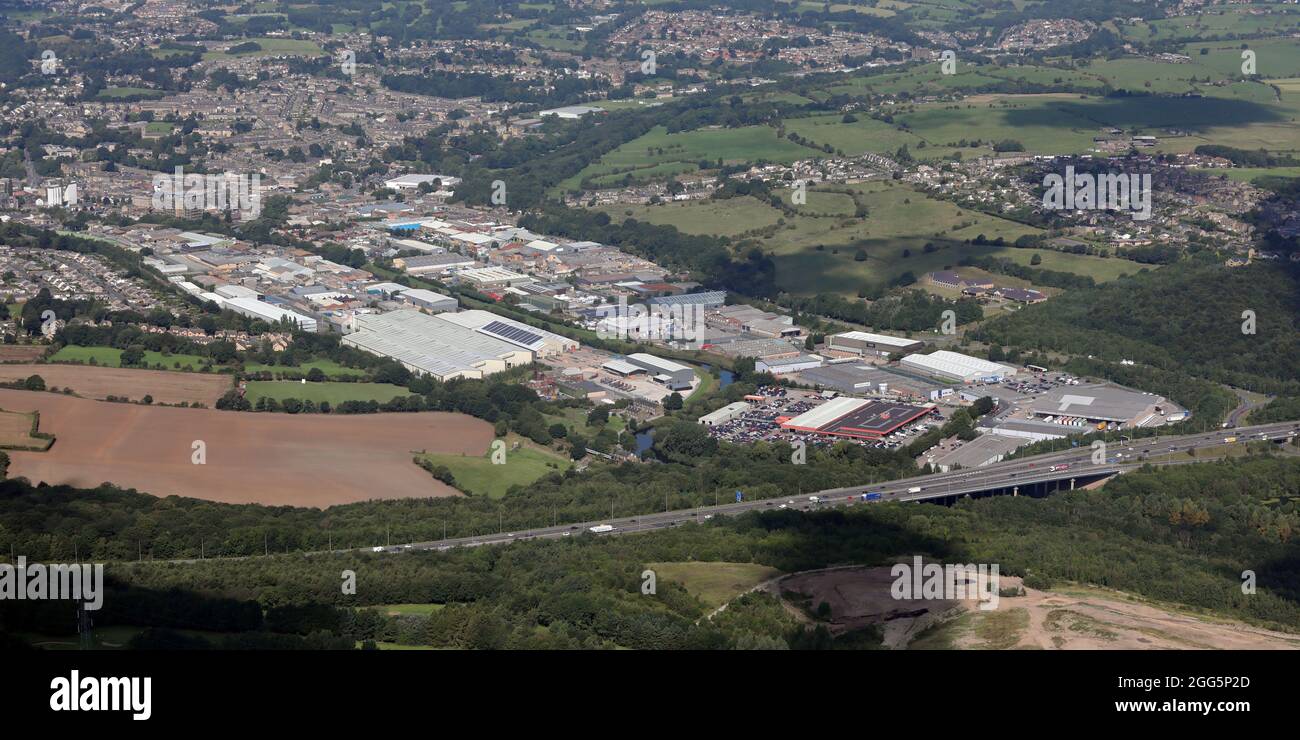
pixel 985 449
pixel 254 309
pixel 487 278
pixel 432 346
pixel 724 414
pixel 954 365
pixel 423 264
pixel 538 341
pixel 1090 405
pixel 858 418
pixel 865 343
pixel 707 299
pixel 787 365
pixel 672 374
pixel 856 377
pixel 429 300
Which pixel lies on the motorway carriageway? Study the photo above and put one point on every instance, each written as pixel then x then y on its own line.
pixel 1121 457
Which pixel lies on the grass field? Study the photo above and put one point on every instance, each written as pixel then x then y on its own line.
pixel 112 357
pixel 271 47
pixel 899 220
pixel 714 583
pixel 478 476
pixel 659 148
pixel 334 393
pixel 114 93
pixel 329 367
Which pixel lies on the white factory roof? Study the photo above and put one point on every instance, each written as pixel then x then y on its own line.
pixel 957 365
pixel 420 294
pixel 473 237
pixel 509 330
pixel 866 336
pixel 417 244
pixel 428 343
pixel 413 181
pixel 827 412
pixel 492 274
pixel 658 363
pixel 622 366
pixel 729 411
pixel 267 311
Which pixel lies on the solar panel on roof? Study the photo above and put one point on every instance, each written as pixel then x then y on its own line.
pixel 513 333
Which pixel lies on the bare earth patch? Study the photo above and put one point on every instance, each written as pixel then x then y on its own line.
pixel 21 352
pixel 100 382
pixel 277 459
pixel 1078 619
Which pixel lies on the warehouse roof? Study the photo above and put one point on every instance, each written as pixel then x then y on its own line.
pixel 427 342
pixel 866 336
pixel 658 363
pixel 957 365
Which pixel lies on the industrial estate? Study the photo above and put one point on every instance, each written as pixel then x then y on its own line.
pixel 685 325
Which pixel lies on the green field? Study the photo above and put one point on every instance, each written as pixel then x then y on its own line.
pixel 113 93
pixel 334 393
pixel 329 367
pixel 271 47
pixel 686 149
pixel 112 357
pixel 480 477
pixel 714 584
pixel 899 219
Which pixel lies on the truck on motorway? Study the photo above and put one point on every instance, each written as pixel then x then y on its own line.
pixel 914 489
pixel 1056 468
pixel 871 497
pixel 1229 440
pixel 601 528
pixel 814 499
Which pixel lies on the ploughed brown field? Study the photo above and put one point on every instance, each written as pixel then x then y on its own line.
pixel 21 352
pixel 100 382
pixel 277 459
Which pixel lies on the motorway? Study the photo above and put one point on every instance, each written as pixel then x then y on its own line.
pixel 1064 466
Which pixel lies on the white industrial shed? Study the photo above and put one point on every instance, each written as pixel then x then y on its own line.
pixel 255 309
pixel 724 414
pixel 429 345
pixel 957 366
pixel 863 342
pixel 539 341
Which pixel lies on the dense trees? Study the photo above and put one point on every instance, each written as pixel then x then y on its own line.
pixel 1187 318
pixel 1182 534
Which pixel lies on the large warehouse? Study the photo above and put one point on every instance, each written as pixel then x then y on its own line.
pixel 1096 403
pixel 429 345
pixel 858 418
pixel 254 309
pixel 967 369
pixel 672 374
pixel 539 341
pixel 866 343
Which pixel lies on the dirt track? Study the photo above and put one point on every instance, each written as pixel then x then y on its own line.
pixel 1077 618
pixel 90 381
pixel 279 459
